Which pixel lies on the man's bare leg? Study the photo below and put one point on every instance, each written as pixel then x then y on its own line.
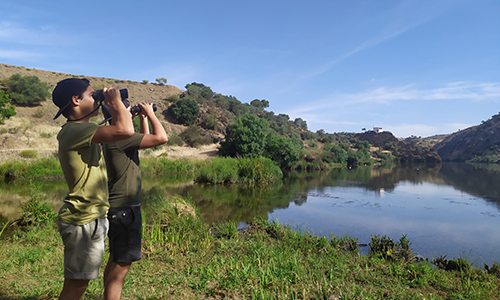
pixel 73 289
pixel 114 276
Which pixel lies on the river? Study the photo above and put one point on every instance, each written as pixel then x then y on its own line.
pixel 450 209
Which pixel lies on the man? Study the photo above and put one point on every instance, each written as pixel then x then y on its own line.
pixel 82 218
pixel 124 175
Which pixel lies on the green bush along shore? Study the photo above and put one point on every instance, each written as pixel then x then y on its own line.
pixel 186 258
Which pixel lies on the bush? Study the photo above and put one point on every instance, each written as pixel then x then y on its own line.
pixel 210 122
pixel 36 212
pixel 28 154
pixel 27 90
pixel 195 137
pixel 175 140
pixel 184 110
pixel 6 110
pixel 245 137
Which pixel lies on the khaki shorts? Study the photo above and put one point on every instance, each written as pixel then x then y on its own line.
pixel 83 248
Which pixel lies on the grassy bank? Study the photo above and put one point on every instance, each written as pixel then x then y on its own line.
pixel 185 258
pixel 215 171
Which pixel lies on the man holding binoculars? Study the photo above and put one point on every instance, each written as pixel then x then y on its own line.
pixel 84 219
pixel 124 177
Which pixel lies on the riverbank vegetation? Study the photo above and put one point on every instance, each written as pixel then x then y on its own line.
pixel 185 258
pixel 258 170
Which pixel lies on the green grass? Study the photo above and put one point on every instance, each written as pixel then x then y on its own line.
pixel 185 258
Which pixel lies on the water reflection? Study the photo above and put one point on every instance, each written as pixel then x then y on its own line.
pixel 443 209
pixel 448 209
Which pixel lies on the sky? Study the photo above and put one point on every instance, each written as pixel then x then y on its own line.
pixel 416 67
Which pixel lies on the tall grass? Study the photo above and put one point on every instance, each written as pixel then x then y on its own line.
pixel 244 170
pixel 44 168
pixel 185 258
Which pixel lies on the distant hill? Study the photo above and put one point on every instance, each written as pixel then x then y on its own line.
pixel 405 151
pixel 34 129
pixel 480 143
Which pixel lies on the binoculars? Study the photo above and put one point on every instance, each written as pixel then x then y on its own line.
pixel 135 110
pixel 99 95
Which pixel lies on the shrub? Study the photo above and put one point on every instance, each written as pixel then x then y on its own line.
pixel 245 137
pixel 184 110
pixel 6 110
pixel 36 212
pixel 210 122
pixel 195 137
pixel 28 154
pixel 27 90
pixel 175 140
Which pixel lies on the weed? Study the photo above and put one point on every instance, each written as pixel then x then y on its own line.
pixel 28 154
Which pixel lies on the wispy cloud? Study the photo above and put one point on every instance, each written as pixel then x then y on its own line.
pixel 404 17
pixel 18 33
pixel 385 95
pixel 405 130
pixel 18 54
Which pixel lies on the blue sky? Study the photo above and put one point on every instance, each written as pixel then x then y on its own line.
pixel 418 67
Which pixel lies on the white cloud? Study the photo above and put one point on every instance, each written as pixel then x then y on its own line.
pixel 387 95
pixel 18 54
pixel 17 33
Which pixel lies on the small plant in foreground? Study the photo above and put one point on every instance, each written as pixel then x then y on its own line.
pixel 28 154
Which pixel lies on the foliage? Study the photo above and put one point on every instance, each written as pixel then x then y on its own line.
pixel 195 137
pixel 161 80
pixel 27 90
pixel 175 140
pixel 28 154
pixel 210 122
pixel 199 91
pixel 192 259
pixel 36 211
pixel 245 170
pixel 339 153
pixel 6 110
pixel 245 137
pixel 301 123
pixel 283 150
pixel 184 110
pixel 23 170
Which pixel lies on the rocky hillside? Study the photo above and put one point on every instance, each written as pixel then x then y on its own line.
pixel 479 143
pixel 32 128
pixel 404 150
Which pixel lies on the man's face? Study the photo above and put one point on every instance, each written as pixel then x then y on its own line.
pixel 88 103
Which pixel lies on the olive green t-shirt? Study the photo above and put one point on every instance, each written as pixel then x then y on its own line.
pixel 124 171
pixel 85 173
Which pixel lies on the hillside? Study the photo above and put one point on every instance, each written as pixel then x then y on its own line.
pixel 404 150
pixel 480 143
pixel 33 128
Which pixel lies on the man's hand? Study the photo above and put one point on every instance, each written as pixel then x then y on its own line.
pixel 147 109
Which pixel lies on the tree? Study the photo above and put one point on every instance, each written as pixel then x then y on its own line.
pixel 161 80
pixel 27 90
pixel 6 110
pixel 199 91
pixel 283 150
pixel 301 123
pixel 184 110
pixel 245 137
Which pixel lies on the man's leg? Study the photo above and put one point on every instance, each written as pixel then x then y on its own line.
pixel 73 289
pixel 114 276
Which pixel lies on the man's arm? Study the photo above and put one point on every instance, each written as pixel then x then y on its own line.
pixel 122 128
pixel 159 135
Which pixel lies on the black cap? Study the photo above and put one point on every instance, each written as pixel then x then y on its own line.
pixel 65 90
